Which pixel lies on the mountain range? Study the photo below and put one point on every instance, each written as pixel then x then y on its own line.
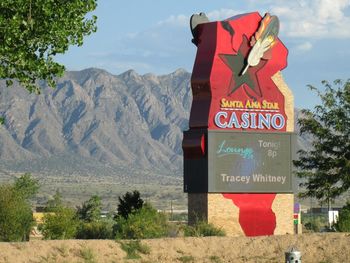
pixel 97 123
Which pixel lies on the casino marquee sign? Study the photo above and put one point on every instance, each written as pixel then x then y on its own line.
pixel 238 149
pixel 238 108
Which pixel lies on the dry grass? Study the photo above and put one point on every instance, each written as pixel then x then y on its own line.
pixel 327 247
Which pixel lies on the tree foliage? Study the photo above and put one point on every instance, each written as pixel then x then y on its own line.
pixel 326 167
pixel 102 229
pixel 32 32
pixel 16 219
pixel 62 224
pixel 55 203
pixel 128 203
pixel 26 186
pixel 91 225
pixel 145 222
pixel 90 210
pixel 343 223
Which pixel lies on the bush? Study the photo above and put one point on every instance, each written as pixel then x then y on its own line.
pixel 16 218
pixel 102 229
pixel 142 223
pixel 314 222
pixel 203 229
pixel 62 224
pixel 133 248
pixel 343 224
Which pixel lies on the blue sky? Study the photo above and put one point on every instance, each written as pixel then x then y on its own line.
pixel 154 36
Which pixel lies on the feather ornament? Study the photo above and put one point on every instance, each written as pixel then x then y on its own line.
pixel 262 41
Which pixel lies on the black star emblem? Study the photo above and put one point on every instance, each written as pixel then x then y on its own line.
pixel 236 64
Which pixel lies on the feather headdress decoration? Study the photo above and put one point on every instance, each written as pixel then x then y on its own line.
pixel 262 41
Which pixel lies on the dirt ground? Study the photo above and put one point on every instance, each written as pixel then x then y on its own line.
pixel 325 247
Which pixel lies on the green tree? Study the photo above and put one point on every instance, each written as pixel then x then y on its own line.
pixel 145 222
pixel 343 223
pixel 326 167
pixel 90 210
pixel 55 203
pixel 32 32
pixel 16 218
pixel 91 225
pixel 128 203
pixel 27 186
pixel 61 224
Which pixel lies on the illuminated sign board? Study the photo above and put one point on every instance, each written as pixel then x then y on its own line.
pixel 249 162
pixel 249 115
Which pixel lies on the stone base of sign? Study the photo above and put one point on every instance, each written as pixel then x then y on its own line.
pixel 221 212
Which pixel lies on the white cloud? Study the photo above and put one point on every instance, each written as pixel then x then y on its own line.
pixel 316 19
pixel 184 20
pixel 178 20
pixel 304 46
pixel 221 14
pixel 300 18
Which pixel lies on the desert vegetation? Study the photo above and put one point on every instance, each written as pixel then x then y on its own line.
pixel 134 218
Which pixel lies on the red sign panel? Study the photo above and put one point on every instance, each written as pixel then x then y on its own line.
pixel 231 98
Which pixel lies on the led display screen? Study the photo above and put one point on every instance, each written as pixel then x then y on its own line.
pixel 249 162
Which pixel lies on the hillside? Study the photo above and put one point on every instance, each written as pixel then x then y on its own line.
pixel 97 123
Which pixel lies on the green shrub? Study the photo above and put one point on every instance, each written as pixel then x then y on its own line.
pixel 133 248
pixel 203 229
pixel 186 259
pixel 343 224
pixel 88 255
pixel 215 259
pixel 142 223
pixel 102 229
pixel 62 224
pixel 314 223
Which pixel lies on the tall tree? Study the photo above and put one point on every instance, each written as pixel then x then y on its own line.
pixel 326 167
pixel 32 32
pixel 55 202
pixel 16 219
pixel 26 186
pixel 129 203
pixel 90 210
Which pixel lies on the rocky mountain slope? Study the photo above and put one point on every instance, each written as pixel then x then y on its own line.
pixel 96 123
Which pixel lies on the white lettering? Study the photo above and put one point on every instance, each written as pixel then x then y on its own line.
pixel 249 120
pixel 217 119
